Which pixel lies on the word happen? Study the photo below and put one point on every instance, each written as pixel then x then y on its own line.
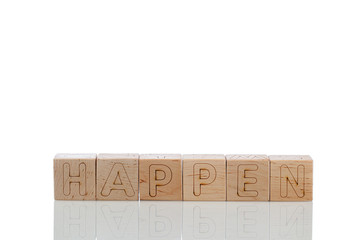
pixel 197 177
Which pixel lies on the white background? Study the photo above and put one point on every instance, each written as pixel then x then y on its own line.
pixel 272 77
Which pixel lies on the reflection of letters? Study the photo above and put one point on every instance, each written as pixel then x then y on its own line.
pixel 204 174
pixel 117 220
pixel 159 226
pixel 160 175
pixel 246 218
pixel 292 221
pixel 118 180
pixel 78 179
pixel 296 182
pixel 203 227
pixel 72 222
pixel 201 220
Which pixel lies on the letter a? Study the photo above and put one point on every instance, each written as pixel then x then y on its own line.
pixel 118 180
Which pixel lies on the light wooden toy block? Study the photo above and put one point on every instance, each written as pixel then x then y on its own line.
pixel 204 177
pixel 74 176
pixel 160 177
pixel 117 177
pixel 291 178
pixel 247 177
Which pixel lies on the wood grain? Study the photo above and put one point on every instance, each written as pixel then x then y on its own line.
pixel 291 178
pixel 117 177
pixel 74 176
pixel 160 177
pixel 196 177
pixel 204 177
pixel 247 177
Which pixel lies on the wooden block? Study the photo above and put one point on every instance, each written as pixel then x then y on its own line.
pixel 117 177
pixel 74 176
pixel 291 178
pixel 204 177
pixel 160 177
pixel 247 178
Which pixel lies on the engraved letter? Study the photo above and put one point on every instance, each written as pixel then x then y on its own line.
pixel 204 174
pixel 244 180
pixel 79 179
pixel 160 175
pixel 118 180
pixel 297 183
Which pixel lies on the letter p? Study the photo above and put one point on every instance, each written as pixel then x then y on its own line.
pixel 204 174
pixel 159 175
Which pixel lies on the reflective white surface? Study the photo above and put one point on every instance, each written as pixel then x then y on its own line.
pixel 181 220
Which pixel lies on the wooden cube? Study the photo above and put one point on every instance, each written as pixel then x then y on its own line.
pixel 74 176
pixel 204 177
pixel 247 178
pixel 291 178
pixel 117 177
pixel 160 177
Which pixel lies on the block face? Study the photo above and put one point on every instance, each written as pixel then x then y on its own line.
pixel 117 177
pixel 204 178
pixel 160 177
pixel 74 176
pixel 247 177
pixel 291 178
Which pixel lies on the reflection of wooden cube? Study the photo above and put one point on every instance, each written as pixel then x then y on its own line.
pixel 75 220
pixel 204 177
pixel 291 220
pixel 248 221
pixel 160 177
pixel 74 176
pixel 291 178
pixel 247 177
pixel 116 220
pixel 159 220
pixel 204 220
pixel 117 177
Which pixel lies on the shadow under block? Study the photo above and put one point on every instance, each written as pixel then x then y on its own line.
pixel 204 177
pixel 291 178
pixel 117 177
pixel 247 177
pixel 74 176
pixel 160 177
